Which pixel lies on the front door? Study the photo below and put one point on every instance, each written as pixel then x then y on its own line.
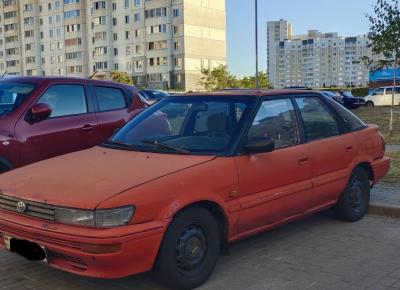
pixel 70 127
pixel 277 185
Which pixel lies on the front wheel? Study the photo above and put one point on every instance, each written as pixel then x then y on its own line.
pixel 190 249
pixel 370 104
pixel 354 202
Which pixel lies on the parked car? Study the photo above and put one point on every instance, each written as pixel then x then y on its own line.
pixel 383 97
pixel 345 98
pixel 45 117
pixel 172 192
pixel 152 96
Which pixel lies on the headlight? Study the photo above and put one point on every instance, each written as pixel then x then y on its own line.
pixel 103 218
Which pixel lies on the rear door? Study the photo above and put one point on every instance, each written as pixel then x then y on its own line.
pixel 331 150
pixel 72 125
pixel 389 92
pixel 113 108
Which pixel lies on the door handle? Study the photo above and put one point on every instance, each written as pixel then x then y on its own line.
pixel 303 160
pixel 87 128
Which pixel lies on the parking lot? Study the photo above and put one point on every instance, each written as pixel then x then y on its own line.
pixel 317 253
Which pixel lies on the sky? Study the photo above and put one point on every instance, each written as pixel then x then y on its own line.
pixel 347 17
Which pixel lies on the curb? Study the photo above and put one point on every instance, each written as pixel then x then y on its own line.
pixel 384 210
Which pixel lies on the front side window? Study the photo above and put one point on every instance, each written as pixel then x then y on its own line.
pixel 65 100
pixel 109 98
pixel 379 92
pixel 12 95
pixel 319 123
pixel 199 125
pixel 276 119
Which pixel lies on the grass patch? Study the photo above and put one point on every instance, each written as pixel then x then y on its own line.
pixel 393 176
pixel 381 116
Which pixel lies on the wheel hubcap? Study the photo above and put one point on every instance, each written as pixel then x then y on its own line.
pixel 357 195
pixel 191 248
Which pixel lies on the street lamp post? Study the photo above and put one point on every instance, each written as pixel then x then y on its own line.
pixel 256 31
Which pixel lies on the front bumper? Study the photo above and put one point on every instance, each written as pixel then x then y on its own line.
pixel 380 167
pixel 65 245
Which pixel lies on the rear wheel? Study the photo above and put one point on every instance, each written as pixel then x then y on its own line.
pixel 190 249
pixel 354 202
pixel 370 104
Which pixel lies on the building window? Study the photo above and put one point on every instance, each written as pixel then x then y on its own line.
pixel 176 12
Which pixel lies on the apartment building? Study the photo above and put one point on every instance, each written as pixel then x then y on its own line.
pixel 276 31
pixel 161 43
pixel 320 60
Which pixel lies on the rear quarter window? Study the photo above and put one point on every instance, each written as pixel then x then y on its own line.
pixel 353 123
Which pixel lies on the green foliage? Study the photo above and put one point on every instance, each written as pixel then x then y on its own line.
pixel 121 77
pixel 385 34
pixel 220 78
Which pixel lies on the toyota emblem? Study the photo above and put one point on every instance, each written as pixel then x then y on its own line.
pixel 21 207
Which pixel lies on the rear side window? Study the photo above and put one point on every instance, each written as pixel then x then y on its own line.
pixel 352 122
pixel 319 123
pixel 389 91
pixel 110 98
pixel 65 100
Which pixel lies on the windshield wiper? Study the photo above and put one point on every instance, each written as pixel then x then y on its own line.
pixel 163 145
pixel 117 143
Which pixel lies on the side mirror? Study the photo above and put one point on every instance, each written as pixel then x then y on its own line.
pixel 40 112
pixel 259 145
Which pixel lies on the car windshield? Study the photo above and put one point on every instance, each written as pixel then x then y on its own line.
pixel 185 125
pixel 348 94
pixel 151 95
pixel 12 95
pixel 329 94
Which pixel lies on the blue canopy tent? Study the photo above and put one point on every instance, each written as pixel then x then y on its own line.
pixel 383 77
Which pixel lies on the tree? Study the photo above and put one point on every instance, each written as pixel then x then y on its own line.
pixel 220 78
pixel 217 78
pixel 250 82
pixel 121 77
pixel 385 36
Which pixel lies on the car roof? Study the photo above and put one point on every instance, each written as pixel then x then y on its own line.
pixel 248 93
pixel 38 80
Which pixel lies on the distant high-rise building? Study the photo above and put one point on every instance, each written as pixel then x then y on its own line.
pixel 319 60
pixel 276 31
pixel 162 44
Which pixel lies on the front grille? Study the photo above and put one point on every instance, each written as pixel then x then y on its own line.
pixel 33 209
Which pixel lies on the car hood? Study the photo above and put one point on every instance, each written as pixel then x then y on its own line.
pixel 85 179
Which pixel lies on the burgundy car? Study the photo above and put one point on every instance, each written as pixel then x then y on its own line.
pixel 42 117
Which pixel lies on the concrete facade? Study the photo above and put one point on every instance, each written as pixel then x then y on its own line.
pixel 161 43
pixel 276 31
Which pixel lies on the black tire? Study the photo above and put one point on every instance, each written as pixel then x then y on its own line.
pixel 370 104
pixel 353 203
pixel 178 266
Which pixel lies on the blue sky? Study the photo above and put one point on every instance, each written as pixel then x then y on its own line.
pixel 344 16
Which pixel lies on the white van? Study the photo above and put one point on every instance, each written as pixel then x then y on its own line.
pixel 383 97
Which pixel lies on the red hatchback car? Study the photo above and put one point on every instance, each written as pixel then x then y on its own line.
pixel 188 176
pixel 43 117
